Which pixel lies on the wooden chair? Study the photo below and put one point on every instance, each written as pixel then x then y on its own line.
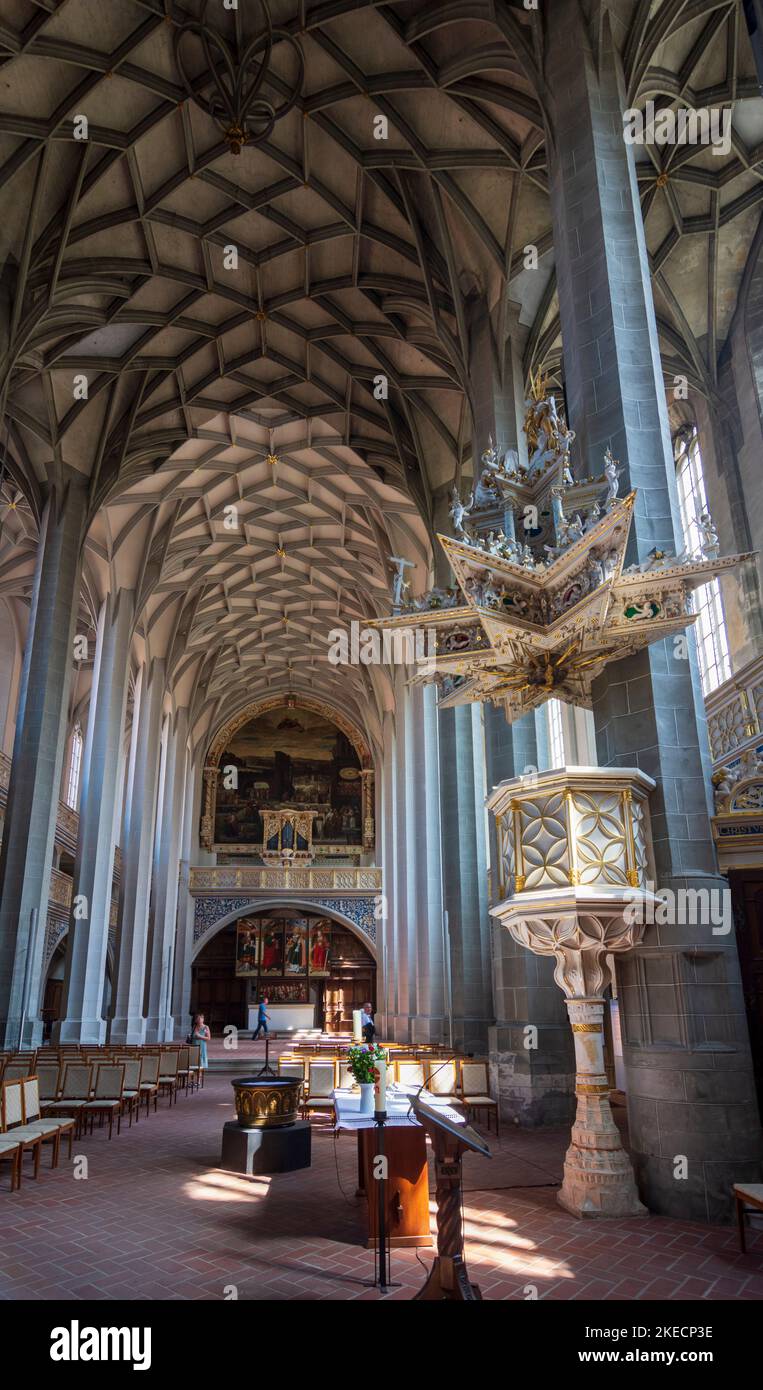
pixel 168 1074
pixel 293 1066
pixel 11 1150
pixel 49 1080
pixel 50 1128
pixel 196 1070
pixel 131 1088
pixel 344 1076
pixel 474 1087
pixel 107 1100
pixel 747 1195
pixel 14 1070
pixel 13 1124
pixel 76 1088
pixel 320 1087
pixel 409 1073
pixel 148 1085
pixel 442 1077
pixel 184 1066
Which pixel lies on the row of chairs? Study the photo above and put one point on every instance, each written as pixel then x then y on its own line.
pixel 70 1089
pixel 146 1075
pixel 465 1080
pixel 24 1130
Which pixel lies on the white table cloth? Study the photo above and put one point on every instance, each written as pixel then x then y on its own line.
pixel 347 1106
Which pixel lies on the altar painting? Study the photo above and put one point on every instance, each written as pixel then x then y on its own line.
pixel 320 941
pixel 247 947
pixel 289 759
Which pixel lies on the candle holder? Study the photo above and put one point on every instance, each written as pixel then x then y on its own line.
pixel 382 1254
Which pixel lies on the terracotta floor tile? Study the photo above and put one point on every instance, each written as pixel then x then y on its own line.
pixel 158 1218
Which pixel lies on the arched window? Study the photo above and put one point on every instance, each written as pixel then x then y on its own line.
pixel 710 628
pixel 75 763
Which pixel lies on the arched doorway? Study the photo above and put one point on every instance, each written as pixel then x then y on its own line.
pixel 296 957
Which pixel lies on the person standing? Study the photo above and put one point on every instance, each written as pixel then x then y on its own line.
pixel 367 1023
pixel 200 1034
pixel 262 1019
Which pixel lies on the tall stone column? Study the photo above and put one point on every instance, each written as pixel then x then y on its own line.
pixel 386 1000
pixel 30 820
pixel 684 1033
pixel 159 1024
pixel 425 909
pixel 181 972
pixel 88 938
pixel 464 854
pixel 497 388
pixel 128 1021
pixel 530 1049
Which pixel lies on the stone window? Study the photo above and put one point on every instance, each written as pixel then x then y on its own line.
pixel 710 629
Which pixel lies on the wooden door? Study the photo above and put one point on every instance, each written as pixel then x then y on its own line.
pixel 747 890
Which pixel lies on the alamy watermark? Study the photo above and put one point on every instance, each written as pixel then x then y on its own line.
pixel 367 646
pixel 667 126
pixel 682 907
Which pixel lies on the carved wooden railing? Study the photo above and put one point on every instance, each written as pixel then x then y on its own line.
pixel 255 879
pixel 735 714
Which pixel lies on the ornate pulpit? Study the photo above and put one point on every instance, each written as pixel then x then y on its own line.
pixel 576 877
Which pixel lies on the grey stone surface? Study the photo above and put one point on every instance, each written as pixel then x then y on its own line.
pixel 87 941
pixel 27 849
pixel 648 708
pixel 261 1151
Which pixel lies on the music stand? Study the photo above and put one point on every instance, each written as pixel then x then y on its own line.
pixel 448 1278
pixel 266 1069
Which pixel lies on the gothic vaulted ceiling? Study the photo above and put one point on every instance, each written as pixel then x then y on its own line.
pixel 274 342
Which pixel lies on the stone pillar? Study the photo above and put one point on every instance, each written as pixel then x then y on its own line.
pixel 181 974
pixel 87 944
pixel 532 1068
pixel 398 960
pixel 684 1029
pixel 159 1024
pixel 464 857
pixel 425 872
pixel 128 1022
pixel 497 396
pixel 30 820
pixel 388 823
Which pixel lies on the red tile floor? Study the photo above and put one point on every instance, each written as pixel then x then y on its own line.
pixel 156 1218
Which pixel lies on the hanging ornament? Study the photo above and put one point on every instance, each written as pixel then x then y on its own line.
pixel 235 75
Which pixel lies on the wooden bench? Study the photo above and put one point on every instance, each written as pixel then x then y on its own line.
pixel 747 1194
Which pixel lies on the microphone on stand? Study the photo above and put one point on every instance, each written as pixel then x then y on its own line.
pixel 423 1085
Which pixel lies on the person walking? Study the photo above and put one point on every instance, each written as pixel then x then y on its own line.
pixel 262 1020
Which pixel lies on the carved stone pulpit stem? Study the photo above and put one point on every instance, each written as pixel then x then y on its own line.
pixel 575 867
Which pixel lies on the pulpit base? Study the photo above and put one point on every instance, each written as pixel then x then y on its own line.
pixel 448 1281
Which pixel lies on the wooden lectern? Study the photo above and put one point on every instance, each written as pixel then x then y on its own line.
pixel 448 1278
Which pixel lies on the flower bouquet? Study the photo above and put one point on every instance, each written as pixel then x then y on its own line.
pixel 362 1063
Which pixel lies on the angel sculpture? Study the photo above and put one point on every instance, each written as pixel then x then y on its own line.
pixel 710 545
pixel 459 512
pixel 574 530
pixel 612 474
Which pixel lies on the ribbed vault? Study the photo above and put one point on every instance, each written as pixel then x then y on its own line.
pixel 356 259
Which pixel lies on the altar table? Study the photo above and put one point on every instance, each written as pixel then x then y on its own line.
pixel 405 1148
